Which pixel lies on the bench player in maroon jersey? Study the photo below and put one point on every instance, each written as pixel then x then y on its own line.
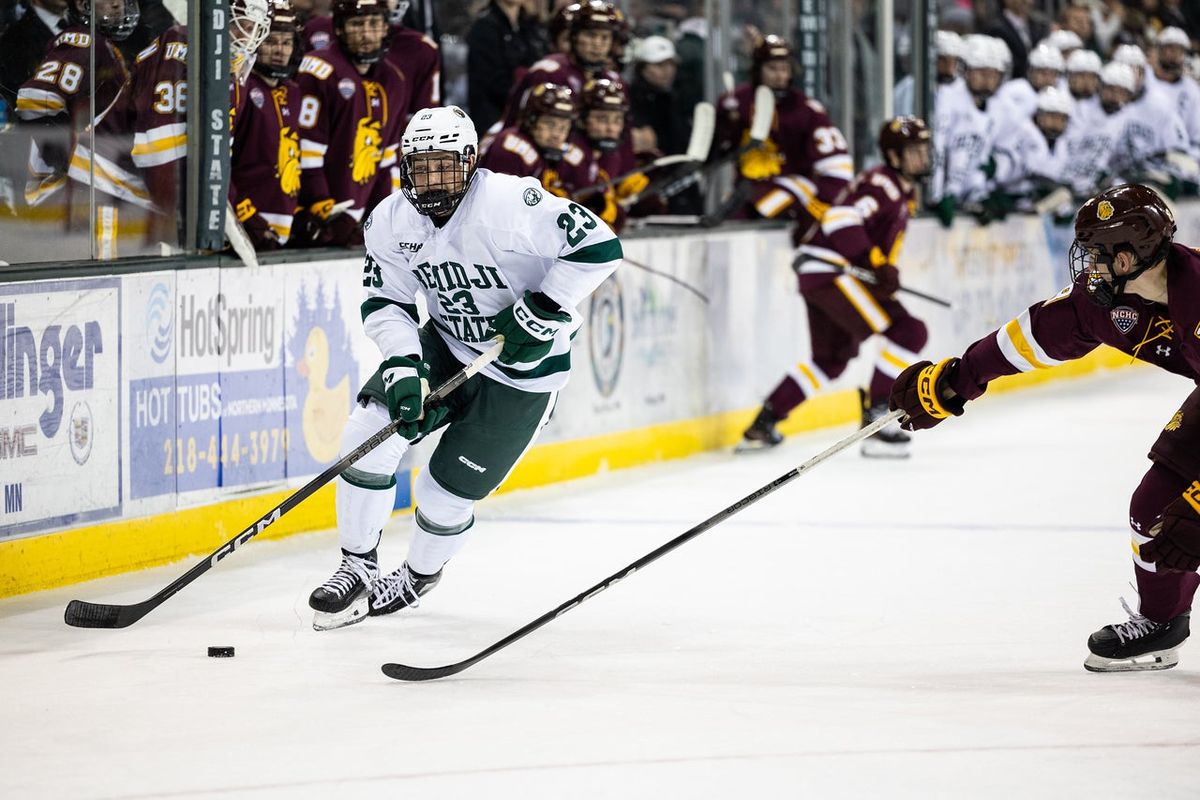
pixel 1135 290
pixel 593 26
pixel 541 147
pixel 265 171
pixel 58 100
pixel 804 163
pixel 159 96
pixel 353 106
pixel 864 230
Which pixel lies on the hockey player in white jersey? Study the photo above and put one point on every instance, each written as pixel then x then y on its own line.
pixel 1170 77
pixel 1083 81
pixel 1087 148
pixel 489 254
pixel 1154 137
pixel 1026 169
pixel 1046 68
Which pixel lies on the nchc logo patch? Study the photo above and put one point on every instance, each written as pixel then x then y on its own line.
pixel 1124 318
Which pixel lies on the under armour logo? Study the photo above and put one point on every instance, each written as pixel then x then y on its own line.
pixel 1163 350
pixel 1133 523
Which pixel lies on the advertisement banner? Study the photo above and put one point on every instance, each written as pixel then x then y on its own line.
pixel 60 395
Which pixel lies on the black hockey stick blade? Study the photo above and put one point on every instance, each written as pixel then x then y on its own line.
pixel 82 614
pixel 404 672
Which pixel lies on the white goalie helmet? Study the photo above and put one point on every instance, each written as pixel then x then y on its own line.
pixel 249 24
pixel 448 130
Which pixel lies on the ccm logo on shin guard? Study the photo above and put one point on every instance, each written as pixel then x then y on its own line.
pixel 468 462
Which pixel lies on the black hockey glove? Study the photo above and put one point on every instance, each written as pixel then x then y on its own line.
pixel 1176 542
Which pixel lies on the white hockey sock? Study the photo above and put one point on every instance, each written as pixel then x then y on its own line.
pixel 366 490
pixel 441 525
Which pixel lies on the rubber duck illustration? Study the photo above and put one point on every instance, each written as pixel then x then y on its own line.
pixel 325 408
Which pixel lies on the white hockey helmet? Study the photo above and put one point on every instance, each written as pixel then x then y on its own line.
pixel 1084 61
pixel 982 52
pixel 949 44
pixel 1055 101
pixel 446 129
pixel 1129 54
pixel 1118 74
pixel 1173 35
pixel 1046 56
pixel 1064 39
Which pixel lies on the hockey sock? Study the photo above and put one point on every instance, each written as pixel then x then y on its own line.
pixel 891 361
pixel 443 520
pixel 366 491
pixel 801 383
pixel 1164 594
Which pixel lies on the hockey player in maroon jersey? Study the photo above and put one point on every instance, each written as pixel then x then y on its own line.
pixel 861 233
pixel 249 24
pixel 159 96
pixel 804 163
pixel 352 110
pixel 1137 291
pixel 58 99
pixel 593 27
pixel 416 55
pixel 265 171
pixel 602 122
pixel 541 147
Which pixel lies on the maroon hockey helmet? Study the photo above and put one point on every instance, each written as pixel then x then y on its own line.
pixel 283 20
pixel 899 133
pixel 550 100
pixel 593 15
pixel 344 10
pixel 560 23
pixel 1129 218
pixel 604 94
pixel 116 24
pixel 771 48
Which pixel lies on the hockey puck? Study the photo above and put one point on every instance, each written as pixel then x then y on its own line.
pixel 220 652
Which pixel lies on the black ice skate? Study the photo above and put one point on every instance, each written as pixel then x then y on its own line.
pixel 401 589
pixel 891 442
pixel 1140 644
pixel 761 435
pixel 344 599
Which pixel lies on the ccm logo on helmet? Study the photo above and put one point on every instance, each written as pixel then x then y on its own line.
pixel 422 138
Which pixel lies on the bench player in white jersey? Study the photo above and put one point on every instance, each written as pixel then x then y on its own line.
pixel 1046 68
pixel 1154 132
pixel 1170 77
pixel 490 254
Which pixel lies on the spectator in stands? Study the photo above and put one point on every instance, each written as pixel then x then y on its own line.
pixel 539 144
pixel 503 38
pixel 265 172
pixel 352 109
pixel 1021 29
pixel 1108 17
pixel 593 28
pixel 692 48
pixel 804 163
pixel 24 44
pixel 1077 19
pixel 658 121
pixel 1046 68
pixel 1171 51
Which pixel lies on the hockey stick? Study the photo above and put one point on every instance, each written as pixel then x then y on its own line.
pixel 82 614
pixel 671 278
pixel 403 672
pixel 704 120
pixel 760 129
pixel 866 276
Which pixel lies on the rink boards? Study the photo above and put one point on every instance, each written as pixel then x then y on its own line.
pixel 149 416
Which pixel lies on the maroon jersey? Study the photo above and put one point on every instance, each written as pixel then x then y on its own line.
pixel 1069 326
pixel 160 119
pixel 865 228
pixel 514 153
pixel 804 163
pixel 59 91
pixel 557 68
pixel 350 126
pixel 265 179
pixel 419 58
pixel 317 33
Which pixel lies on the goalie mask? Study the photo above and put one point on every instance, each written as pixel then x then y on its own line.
pixel 437 162
pixel 116 19
pixel 249 24
pixel 1124 219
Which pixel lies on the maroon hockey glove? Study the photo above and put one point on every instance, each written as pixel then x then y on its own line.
pixel 1176 542
pixel 920 392
pixel 260 233
pixel 887 280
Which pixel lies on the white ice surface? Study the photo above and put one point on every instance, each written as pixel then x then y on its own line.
pixel 873 630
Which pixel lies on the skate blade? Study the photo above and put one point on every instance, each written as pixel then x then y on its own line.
pixel 356 612
pixel 754 446
pixel 1163 659
pixel 875 449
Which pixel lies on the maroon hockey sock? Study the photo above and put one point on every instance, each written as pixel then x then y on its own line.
pixel 881 388
pixel 1164 594
pixel 787 395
